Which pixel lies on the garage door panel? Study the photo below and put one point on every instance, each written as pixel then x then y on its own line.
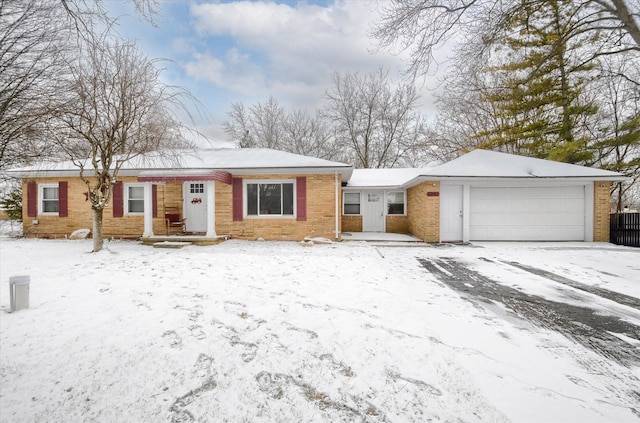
pixel 567 205
pixel 528 213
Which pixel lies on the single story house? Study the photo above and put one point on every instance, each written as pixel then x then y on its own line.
pixel 263 193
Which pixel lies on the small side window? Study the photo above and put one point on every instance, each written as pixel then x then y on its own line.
pixel 395 202
pixel 49 199
pixel 351 203
pixel 135 199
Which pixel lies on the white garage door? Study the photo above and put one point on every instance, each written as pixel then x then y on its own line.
pixel 527 214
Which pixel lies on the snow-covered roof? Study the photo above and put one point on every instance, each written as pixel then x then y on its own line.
pixel 234 160
pixel 382 178
pixel 478 164
pixel 492 164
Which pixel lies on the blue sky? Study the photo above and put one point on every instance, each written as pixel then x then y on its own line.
pixel 245 51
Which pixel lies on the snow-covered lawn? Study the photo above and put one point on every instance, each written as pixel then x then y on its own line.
pixel 274 331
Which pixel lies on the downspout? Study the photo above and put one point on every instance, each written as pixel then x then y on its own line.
pixel 337 206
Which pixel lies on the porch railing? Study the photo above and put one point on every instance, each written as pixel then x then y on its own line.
pixel 625 229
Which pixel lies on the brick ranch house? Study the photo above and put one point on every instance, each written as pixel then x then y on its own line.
pixel 262 193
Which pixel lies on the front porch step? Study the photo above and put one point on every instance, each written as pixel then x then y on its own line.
pixel 189 239
pixel 171 244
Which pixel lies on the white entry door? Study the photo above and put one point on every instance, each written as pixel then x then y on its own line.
pixel 195 206
pixel 373 211
pixel 451 213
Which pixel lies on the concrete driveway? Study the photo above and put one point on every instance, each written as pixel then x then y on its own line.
pixel 583 292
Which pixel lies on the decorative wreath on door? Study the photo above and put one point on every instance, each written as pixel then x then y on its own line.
pixel 196 200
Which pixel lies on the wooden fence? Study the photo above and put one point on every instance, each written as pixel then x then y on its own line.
pixel 625 229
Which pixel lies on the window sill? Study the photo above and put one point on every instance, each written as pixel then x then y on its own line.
pixel 270 217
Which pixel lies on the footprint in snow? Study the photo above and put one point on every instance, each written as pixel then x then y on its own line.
pixel 250 350
pixel 174 339
pixel 204 366
pixel 308 332
pixel 197 332
pixel 334 365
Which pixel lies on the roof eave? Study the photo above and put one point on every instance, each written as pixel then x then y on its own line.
pixel 376 187
pixel 345 171
pixel 424 178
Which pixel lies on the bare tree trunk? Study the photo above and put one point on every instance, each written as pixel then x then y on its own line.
pixel 624 13
pixel 97 229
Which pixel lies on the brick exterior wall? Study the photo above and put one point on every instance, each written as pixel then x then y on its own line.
pixel 397 224
pixel 321 209
pixel 51 226
pixel 80 214
pixel 601 209
pixel 320 212
pixel 351 223
pixel 423 211
pixel 422 220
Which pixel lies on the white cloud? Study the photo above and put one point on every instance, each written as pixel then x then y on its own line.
pixel 293 49
pixel 236 72
pixel 205 67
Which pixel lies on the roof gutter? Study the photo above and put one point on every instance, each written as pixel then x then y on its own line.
pixel 423 178
pixel 48 173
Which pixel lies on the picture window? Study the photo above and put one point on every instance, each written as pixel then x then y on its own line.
pixel 270 199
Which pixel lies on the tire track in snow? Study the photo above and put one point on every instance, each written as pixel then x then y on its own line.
pixel 601 292
pixel 581 324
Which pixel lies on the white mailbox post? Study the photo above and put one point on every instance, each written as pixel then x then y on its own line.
pixel 18 292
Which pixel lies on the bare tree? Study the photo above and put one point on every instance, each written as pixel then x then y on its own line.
pixel 374 123
pixel 115 109
pixel 422 26
pixel 309 135
pixel 269 125
pixel 31 62
pixel 35 39
pixel 259 126
pixel 86 13
pixel 618 132
pixel 238 127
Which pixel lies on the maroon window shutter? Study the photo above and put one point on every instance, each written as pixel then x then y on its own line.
pixel 118 200
pixel 154 200
pixel 32 199
pixel 301 198
pixel 63 202
pixel 237 199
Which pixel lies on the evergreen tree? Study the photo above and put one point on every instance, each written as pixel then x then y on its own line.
pixel 540 104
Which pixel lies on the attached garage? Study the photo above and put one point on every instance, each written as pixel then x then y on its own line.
pixel 492 196
pixel 527 213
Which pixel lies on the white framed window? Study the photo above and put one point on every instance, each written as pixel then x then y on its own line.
pixel 49 199
pixel 351 203
pixel 134 198
pixel 270 198
pixel 396 202
pixel 196 188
